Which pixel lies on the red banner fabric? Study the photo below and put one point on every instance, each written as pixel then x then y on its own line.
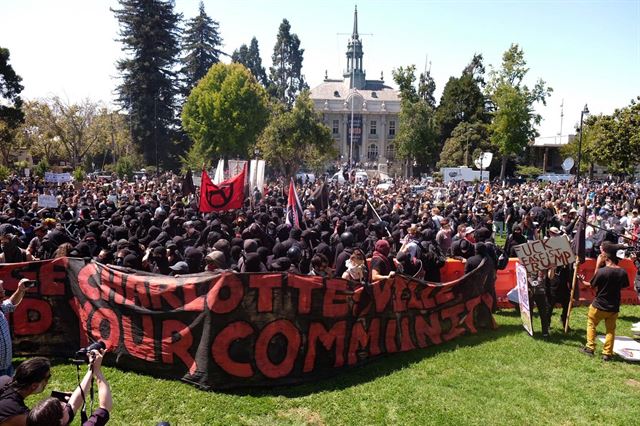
pixel 228 330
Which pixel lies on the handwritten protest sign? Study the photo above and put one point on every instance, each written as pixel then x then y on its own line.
pixel 541 255
pixel 57 177
pixel 47 201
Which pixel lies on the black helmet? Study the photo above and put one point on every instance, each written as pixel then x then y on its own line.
pixel 294 254
pixel 346 238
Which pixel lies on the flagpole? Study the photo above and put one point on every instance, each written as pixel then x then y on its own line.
pixel 577 265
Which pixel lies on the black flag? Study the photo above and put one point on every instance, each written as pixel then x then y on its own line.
pixel 321 197
pixel 187 184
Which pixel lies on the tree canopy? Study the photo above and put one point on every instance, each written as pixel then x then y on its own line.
pixel 296 137
pixel 201 43
pixel 11 114
pixel 286 79
pixel 250 58
pixel 224 114
pixel 514 117
pixel 417 134
pixel 149 34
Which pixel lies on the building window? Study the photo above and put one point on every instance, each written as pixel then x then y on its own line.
pixel 391 152
pixel 392 129
pixel 372 152
pixel 372 127
pixel 336 127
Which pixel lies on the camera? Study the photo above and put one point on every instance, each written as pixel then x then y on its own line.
pixel 30 284
pixel 83 354
pixel 61 396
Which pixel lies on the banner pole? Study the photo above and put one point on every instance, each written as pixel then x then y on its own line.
pixel 573 288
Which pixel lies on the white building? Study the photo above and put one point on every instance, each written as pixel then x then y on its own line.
pixel 366 109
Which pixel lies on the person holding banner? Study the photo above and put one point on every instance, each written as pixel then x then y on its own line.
pixel 608 280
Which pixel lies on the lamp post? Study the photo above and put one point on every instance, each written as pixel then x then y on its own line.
pixel 585 111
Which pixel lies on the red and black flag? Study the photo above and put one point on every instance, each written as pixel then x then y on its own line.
pixel 294 208
pixel 228 195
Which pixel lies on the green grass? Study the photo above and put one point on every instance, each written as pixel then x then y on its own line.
pixel 501 377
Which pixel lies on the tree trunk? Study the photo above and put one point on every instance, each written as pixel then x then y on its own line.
pixel 591 167
pixel 503 168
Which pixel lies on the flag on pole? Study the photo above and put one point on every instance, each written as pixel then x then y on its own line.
pixel 579 240
pixel 321 197
pixel 187 184
pixel 228 195
pixel 294 208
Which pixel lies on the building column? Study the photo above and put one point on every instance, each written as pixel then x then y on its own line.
pixel 545 160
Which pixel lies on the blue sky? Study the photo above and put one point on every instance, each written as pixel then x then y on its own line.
pixel 588 51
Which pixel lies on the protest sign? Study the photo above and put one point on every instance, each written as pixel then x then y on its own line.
pixel 47 201
pixel 523 298
pixel 57 177
pixel 542 255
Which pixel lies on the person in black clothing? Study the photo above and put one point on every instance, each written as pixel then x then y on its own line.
pixel 538 296
pixel 608 281
pixel 31 377
pixel 381 266
pixel 559 290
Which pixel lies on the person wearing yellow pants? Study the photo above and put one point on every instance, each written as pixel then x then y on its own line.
pixel 607 282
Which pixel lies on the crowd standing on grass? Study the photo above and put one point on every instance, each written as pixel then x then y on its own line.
pixel 354 229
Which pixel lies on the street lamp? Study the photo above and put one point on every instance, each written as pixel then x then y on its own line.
pixel 585 111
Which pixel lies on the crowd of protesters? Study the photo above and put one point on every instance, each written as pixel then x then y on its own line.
pixel 152 225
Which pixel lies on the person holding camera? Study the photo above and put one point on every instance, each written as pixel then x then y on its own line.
pixel 7 306
pixel 53 411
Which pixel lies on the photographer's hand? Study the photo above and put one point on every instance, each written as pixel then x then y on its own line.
pixel 17 295
pixel 80 392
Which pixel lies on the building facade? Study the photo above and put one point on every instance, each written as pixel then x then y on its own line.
pixel 359 110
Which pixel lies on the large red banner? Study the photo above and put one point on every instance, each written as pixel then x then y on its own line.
pixel 229 330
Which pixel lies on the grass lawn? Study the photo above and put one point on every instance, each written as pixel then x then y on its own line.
pixel 492 378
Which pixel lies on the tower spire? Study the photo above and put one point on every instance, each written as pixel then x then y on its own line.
pixel 354 36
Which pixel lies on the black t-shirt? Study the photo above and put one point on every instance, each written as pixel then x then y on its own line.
pixel 607 283
pixel 11 404
pixel 378 264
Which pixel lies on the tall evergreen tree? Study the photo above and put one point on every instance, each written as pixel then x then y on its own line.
pixel 462 100
pixel 11 114
pixel 201 43
pixel 250 58
pixel 286 73
pixel 150 35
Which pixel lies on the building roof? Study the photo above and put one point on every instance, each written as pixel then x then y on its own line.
pixel 374 90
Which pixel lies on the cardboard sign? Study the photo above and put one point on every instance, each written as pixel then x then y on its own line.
pixel 523 298
pixel 542 255
pixel 47 201
pixel 57 177
pixel 625 347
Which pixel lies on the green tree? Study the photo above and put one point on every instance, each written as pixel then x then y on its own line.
pixel 514 118
pixel 11 114
pixel 72 126
pixel 467 142
pixel 149 34
pixel 462 100
pixel 224 114
pixel 296 137
pixel 201 43
pixel 417 135
pixel 617 140
pixel 250 58
pixel 286 76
